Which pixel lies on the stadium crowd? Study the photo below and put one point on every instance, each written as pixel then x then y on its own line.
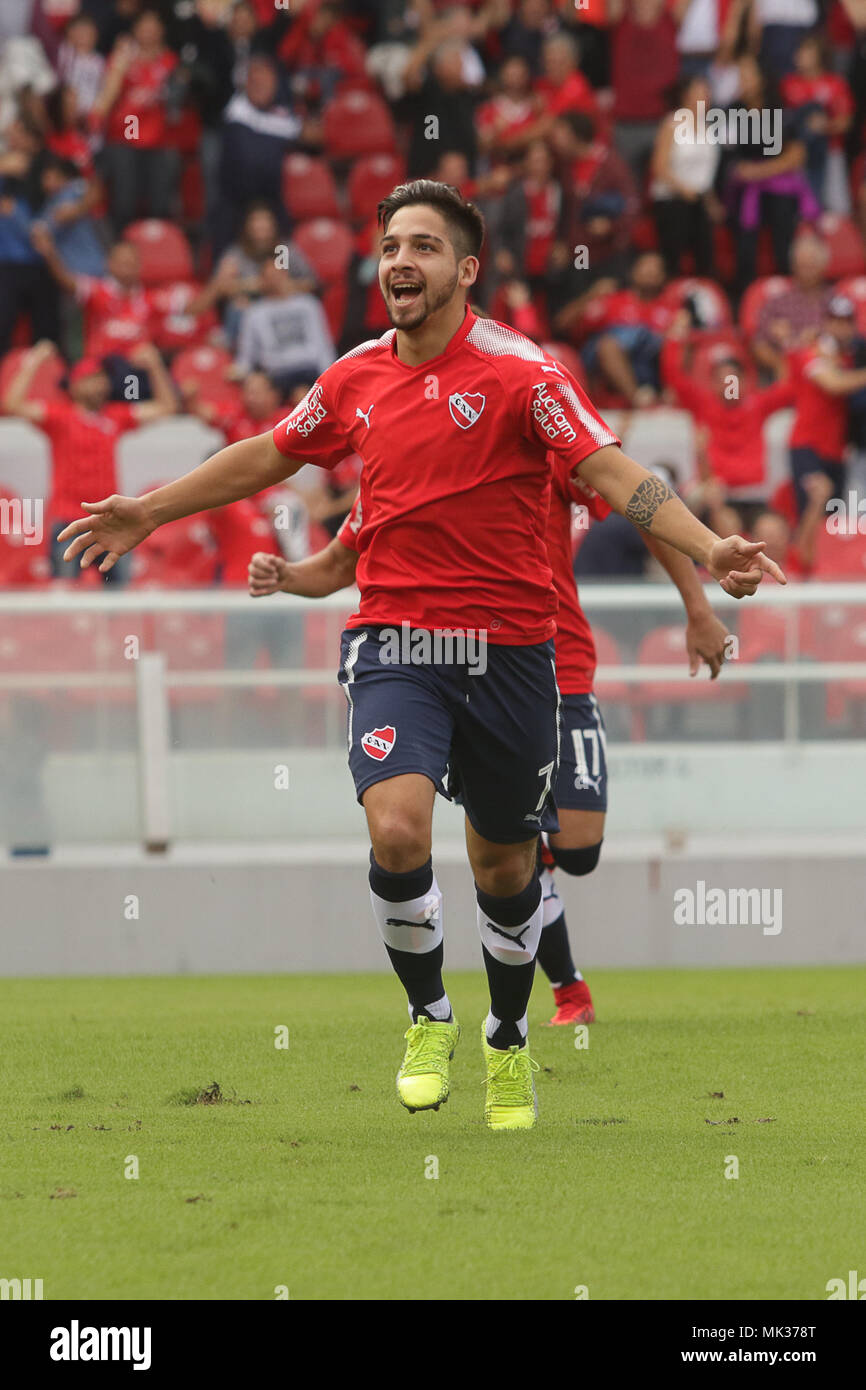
pixel 187 228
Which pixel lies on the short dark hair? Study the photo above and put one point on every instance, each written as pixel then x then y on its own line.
pixel 464 220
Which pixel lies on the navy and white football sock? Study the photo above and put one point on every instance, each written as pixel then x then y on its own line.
pixel 510 929
pixel 408 910
pixel 554 950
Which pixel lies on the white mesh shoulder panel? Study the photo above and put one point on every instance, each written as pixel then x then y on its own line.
pixel 492 337
pixel 596 429
pixel 368 345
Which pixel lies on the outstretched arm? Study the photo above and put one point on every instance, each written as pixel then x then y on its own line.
pixel 737 564
pixel 118 524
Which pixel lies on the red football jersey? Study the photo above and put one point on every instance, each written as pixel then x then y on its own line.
pixel 115 319
pixel 455 487
pixel 351 525
pixel 143 96
pixel 575 649
pixel 828 90
pixel 83 443
pixel 821 422
pixel 627 307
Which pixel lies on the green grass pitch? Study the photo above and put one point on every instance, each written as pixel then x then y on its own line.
pixel 309 1175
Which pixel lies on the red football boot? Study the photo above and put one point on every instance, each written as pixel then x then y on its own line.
pixel 573 1004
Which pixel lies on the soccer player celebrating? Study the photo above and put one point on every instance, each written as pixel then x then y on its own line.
pixel 454 417
pixel 580 789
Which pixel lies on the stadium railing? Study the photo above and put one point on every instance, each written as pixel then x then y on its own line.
pixel 159 717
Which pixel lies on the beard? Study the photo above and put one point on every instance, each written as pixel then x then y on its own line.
pixel 426 305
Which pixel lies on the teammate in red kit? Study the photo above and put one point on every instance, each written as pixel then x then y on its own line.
pixel 455 418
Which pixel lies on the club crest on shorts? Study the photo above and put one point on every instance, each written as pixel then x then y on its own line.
pixel 379 742
pixel 466 408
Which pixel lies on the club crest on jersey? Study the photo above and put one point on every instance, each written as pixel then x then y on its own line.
pixel 379 742
pixel 466 408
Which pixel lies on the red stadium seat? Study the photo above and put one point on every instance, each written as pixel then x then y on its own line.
pixel 335 301
pixel 841 633
pixel 666 646
pixel 21 564
pixel 855 288
pixel 163 249
pixel 308 188
pixel 206 367
pixel 357 123
pixel 756 296
pixel 766 632
pixel 45 385
pixel 179 555
pixel 327 245
pixel 710 299
pixel 845 244
pixel 840 556
pixel 372 179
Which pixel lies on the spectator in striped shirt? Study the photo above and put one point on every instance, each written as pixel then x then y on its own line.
pixel 79 63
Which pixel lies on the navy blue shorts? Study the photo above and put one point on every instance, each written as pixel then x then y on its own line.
pixel 581 783
pixel 488 740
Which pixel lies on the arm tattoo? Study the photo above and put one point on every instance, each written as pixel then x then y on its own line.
pixel 645 501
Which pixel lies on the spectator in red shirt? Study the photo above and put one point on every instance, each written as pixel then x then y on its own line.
pixel 824 101
pixel 602 196
pixel 320 51
pixel 84 431
pixel 824 380
pixel 532 219
pixel 729 417
pixel 142 168
pixel 118 310
pixel 68 137
pixel 505 121
pixel 562 86
pixel 644 64
pixel 628 327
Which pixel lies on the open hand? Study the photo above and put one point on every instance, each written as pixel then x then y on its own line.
pixel 115 525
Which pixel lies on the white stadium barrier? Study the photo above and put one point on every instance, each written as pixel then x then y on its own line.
pixel 186 751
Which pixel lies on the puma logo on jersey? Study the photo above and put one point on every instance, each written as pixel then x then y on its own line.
pixel 401 922
pixel 364 414
pixel 511 935
pixel 552 369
